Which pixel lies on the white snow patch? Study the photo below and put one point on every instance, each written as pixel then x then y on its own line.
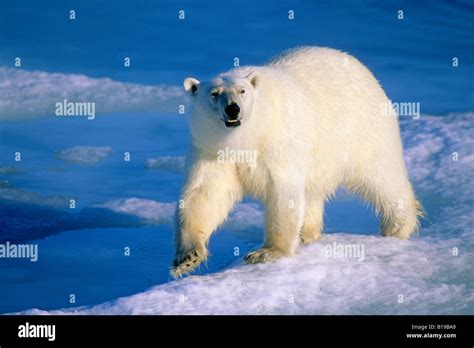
pixel 84 154
pixel 8 170
pixel 149 210
pixel 26 94
pixel 173 164
pixel 9 193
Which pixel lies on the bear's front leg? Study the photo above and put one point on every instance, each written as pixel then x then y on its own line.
pixel 284 216
pixel 191 251
pixel 211 191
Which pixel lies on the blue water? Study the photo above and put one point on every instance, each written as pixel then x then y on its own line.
pixel 81 251
pixel 411 57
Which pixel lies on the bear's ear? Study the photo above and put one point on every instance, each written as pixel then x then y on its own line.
pixel 191 85
pixel 254 78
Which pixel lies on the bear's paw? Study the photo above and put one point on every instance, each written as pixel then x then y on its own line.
pixel 263 255
pixel 187 261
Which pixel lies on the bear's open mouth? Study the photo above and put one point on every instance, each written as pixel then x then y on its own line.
pixel 232 123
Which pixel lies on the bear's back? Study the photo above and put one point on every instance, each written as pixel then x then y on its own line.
pixel 325 65
pixel 307 56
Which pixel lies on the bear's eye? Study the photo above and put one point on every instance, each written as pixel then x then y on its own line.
pixel 215 94
pixel 242 91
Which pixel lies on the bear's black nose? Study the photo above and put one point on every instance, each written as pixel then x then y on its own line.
pixel 232 110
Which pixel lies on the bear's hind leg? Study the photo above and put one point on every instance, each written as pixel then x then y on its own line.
pixel 395 201
pixel 401 218
pixel 313 220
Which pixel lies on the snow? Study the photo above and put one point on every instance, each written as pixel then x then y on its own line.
pixel 10 193
pixel 429 274
pixel 28 94
pixel 147 209
pixel 311 283
pixel 85 154
pixel 10 170
pixel 173 164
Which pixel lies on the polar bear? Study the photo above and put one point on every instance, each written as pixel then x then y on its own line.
pixel 316 119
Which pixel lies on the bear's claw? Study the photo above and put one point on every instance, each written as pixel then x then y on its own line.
pixel 187 262
pixel 263 255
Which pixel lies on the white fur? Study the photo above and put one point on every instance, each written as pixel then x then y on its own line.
pixel 316 118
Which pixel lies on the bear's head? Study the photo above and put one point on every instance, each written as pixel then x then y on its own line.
pixel 225 102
